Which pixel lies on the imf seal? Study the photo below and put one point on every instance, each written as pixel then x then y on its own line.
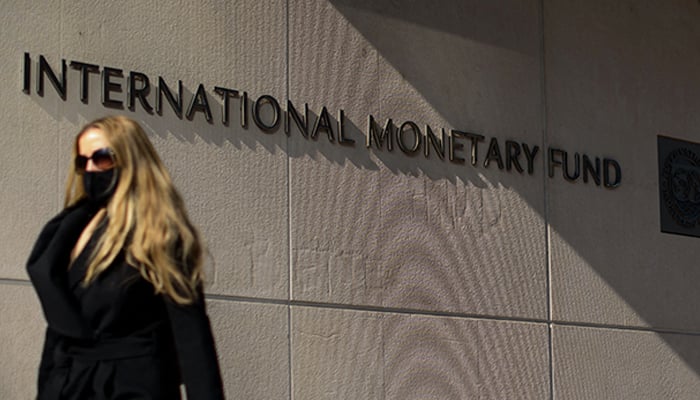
pixel 679 186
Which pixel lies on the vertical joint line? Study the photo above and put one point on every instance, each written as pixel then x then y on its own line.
pixel 545 192
pixel 290 382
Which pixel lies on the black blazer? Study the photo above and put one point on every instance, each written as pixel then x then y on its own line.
pixel 114 338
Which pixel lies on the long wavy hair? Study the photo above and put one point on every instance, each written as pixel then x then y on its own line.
pixel 146 215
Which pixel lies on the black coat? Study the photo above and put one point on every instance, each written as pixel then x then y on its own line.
pixel 115 338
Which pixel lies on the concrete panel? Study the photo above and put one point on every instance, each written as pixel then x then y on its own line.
pixel 22 334
pixel 431 358
pixel 31 186
pixel 592 363
pixel 237 197
pixel 252 342
pixel 450 358
pixel 336 354
pixel 618 75
pixel 333 187
pixel 340 354
pixel 383 228
pixel 233 178
pixel 513 360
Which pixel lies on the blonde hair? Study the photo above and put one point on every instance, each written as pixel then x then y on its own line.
pixel 146 215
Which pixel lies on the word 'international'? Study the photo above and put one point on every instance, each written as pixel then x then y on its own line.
pixel 121 89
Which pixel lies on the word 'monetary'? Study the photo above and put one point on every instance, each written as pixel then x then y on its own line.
pixel 131 89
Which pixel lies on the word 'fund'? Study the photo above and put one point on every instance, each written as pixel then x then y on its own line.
pixel 120 89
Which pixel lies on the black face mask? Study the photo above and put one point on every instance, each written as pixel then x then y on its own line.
pixel 100 186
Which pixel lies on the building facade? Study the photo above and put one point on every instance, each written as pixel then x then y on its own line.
pixel 401 199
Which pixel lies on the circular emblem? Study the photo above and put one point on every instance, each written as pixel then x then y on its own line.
pixel 680 187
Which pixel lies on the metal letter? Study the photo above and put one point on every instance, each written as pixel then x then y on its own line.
pixel 226 94
pixel 109 86
pixel 437 143
pixel 416 138
pixel 163 88
pixel 577 170
pixel 134 93
pixel 341 130
pixel 589 168
pixel 323 122
pixel 512 154
pixel 266 99
pixel 26 84
pixel 608 163
pixel 455 146
pixel 84 69
pixel 387 133
pixel 530 156
pixel 552 161
pixel 45 69
pixel 244 110
pixel 475 139
pixel 200 103
pixel 494 153
pixel 302 123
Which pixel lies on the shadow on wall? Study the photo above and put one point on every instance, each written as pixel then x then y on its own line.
pixel 404 37
pixel 465 91
pixel 418 58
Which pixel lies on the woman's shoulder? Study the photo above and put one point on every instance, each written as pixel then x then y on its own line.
pixel 73 217
pixel 81 209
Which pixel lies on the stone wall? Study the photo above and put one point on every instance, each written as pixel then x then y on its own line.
pixel 342 271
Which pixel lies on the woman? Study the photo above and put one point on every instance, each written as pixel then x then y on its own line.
pixel 119 276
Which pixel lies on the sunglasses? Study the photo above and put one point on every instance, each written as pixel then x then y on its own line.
pixel 102 159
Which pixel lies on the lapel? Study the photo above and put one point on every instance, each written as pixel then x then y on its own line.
pixel 48 269
pixel 78 269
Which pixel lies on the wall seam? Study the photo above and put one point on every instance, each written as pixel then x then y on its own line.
pixel 290 381
pixel 446 314
pixel 59 192
pixel 381 310
pixel 11 281
pixel 545 192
